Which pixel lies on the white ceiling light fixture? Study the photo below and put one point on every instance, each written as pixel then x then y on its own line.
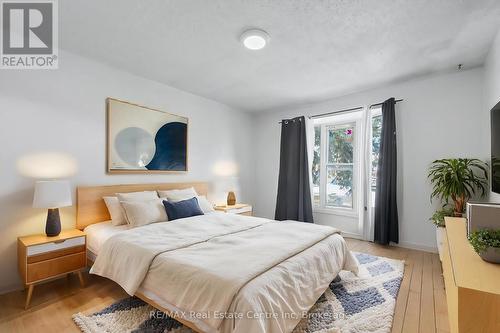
pixel 254 39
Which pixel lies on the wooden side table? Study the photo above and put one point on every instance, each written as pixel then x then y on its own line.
pixel 241 209
pixel 42 258
pixel 472 284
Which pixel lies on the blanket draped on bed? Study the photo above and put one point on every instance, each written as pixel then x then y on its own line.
pixel 205 259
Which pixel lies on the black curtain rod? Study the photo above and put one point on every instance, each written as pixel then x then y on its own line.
pixel 378 104
pixel 321 115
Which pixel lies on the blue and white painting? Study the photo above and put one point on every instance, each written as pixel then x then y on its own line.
pixel 141 139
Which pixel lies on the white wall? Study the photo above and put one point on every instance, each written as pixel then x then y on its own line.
pixel 439 117
pixel 492 89
pixel 64 111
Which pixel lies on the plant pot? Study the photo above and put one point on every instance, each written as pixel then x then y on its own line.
pixel 492 254
pixel 440 231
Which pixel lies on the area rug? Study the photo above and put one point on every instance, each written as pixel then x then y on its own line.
pixel 363 303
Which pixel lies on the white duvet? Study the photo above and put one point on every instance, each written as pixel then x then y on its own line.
pixel 233 273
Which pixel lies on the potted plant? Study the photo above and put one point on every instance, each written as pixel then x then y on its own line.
pixel 486 242
pixel 458 179
pixel 438 220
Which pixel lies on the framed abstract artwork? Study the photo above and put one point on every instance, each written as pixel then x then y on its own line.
pixel 144 140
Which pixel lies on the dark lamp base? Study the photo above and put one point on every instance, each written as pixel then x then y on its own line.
pixel 53 224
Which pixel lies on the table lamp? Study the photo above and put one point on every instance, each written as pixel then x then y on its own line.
pixel 52 194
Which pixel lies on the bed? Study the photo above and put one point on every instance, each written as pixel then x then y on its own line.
pixel 217 272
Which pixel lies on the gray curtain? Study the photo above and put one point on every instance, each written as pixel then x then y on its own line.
pixel 294 194
pixel 386 209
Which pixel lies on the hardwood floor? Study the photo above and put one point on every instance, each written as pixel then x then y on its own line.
pixel 420 307
pixel 421 302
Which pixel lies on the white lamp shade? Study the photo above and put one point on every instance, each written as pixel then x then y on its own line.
pixel 226 184
pixel 52 194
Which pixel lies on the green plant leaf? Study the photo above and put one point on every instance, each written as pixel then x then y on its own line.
pixel 482 239
pixel 458 178
pixel 438 217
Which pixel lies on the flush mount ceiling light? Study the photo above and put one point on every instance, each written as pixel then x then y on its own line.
pixel 254 39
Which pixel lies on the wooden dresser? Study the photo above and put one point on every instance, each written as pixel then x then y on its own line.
pixel 472 285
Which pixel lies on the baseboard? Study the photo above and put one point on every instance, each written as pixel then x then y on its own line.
pixel 11 288
pixel 406 245
pixel 414 246
pixel 351 235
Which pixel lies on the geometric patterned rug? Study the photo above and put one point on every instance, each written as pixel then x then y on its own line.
pixel 363 303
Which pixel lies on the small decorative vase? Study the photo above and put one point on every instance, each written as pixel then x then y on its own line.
pixel 231 199
pixel 492 254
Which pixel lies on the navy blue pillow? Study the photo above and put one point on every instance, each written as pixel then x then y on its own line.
pixel 181 209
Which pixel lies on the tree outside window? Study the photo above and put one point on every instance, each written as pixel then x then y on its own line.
pixel 338 167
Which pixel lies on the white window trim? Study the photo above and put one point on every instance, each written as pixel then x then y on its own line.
pixel 369 213
pixel 355 118
pixel 373 113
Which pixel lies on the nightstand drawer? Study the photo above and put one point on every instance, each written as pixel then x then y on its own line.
pixel 54 246
pixel 55 254
pixel 243 210
pixel 53 267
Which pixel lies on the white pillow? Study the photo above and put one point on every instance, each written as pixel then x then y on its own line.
pixel 115 210
pixel 179 195
pixel 141 213
pixel 204 204
pixel 185 194
pixel 137 196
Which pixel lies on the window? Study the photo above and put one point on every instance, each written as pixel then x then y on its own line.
pixel 335 169
pixel 340 165
pixel 316 165
pixel 344 171
pixel 376 131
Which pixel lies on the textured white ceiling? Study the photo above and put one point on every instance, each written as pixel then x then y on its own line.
pixel 319 49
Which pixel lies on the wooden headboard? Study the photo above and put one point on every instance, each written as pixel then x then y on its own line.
pixel 90 207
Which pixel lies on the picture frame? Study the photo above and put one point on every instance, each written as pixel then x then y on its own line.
pixel 143 140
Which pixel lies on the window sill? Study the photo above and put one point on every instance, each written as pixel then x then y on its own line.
pixel 336 211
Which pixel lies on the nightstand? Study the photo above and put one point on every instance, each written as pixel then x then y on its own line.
pixel 241 209
pixel 43 258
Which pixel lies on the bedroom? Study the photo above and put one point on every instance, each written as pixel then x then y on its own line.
pixel 194 62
